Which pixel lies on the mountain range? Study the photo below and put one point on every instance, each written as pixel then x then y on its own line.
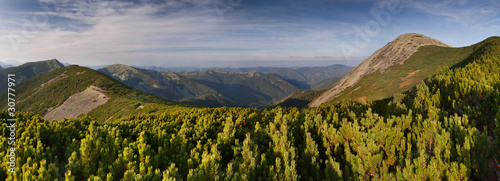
pixel 167 85
pixel 395 68
pixel 5 65
pixel 301 77
pixel 29 70
pixel 254 89
pixel 50 89
pixel 243 87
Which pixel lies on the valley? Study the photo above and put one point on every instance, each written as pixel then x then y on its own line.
pixel 417 109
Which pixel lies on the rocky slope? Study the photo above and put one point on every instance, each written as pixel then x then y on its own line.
pixel 80 103
pixel 395 52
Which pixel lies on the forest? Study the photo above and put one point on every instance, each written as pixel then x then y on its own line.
pixel 446 128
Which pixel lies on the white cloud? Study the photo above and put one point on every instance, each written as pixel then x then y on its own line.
pixel 122 33
pixel 465 12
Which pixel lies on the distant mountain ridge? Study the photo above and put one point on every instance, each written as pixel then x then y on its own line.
pixel 226 86
pixel 29 70
pixel 301 77
pixel 167 85
pixel 5 65
pixel 253 89
pixel 394 53
pixel 211 88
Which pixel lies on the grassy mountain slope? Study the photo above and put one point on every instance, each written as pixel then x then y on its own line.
pixel 163 84
pixel 325 84
pixel 391 65
pixel 251 88
pixel 1 68
pixel 48 91
pixel 29 70
pixel 300 98
pixel 210 100
pixel 400 78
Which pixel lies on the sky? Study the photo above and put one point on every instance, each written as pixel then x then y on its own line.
pixel 236 33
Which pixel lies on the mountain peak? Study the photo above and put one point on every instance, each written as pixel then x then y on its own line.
pixel 415 38
pixel 395 52
pixel 118 66
pixel 120 71
pixel 53 61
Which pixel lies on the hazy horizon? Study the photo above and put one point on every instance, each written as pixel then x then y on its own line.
pixel 212 64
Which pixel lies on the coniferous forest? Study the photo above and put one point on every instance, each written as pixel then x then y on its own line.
pixel 446 128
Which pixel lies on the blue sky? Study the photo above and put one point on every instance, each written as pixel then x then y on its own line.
pixel 230 32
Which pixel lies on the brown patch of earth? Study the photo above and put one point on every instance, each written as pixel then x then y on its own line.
pixel 111 117
pixel 408 80
pixel 392 82
pixel 80 103
pixel 361 99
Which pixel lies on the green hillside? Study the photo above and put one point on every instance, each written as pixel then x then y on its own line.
pixel 244 88
pixel 163 84
pixel 445 128
pixel 300 98
pixel 43 93
pixel 29 70
pixel 400 78
pixel 210 100
pixel 325 84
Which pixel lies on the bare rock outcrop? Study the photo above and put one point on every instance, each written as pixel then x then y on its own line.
pixel 80 103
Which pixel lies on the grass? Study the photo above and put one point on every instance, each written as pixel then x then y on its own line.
pixel 33 97
pixel 28 70
pixel 427 59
